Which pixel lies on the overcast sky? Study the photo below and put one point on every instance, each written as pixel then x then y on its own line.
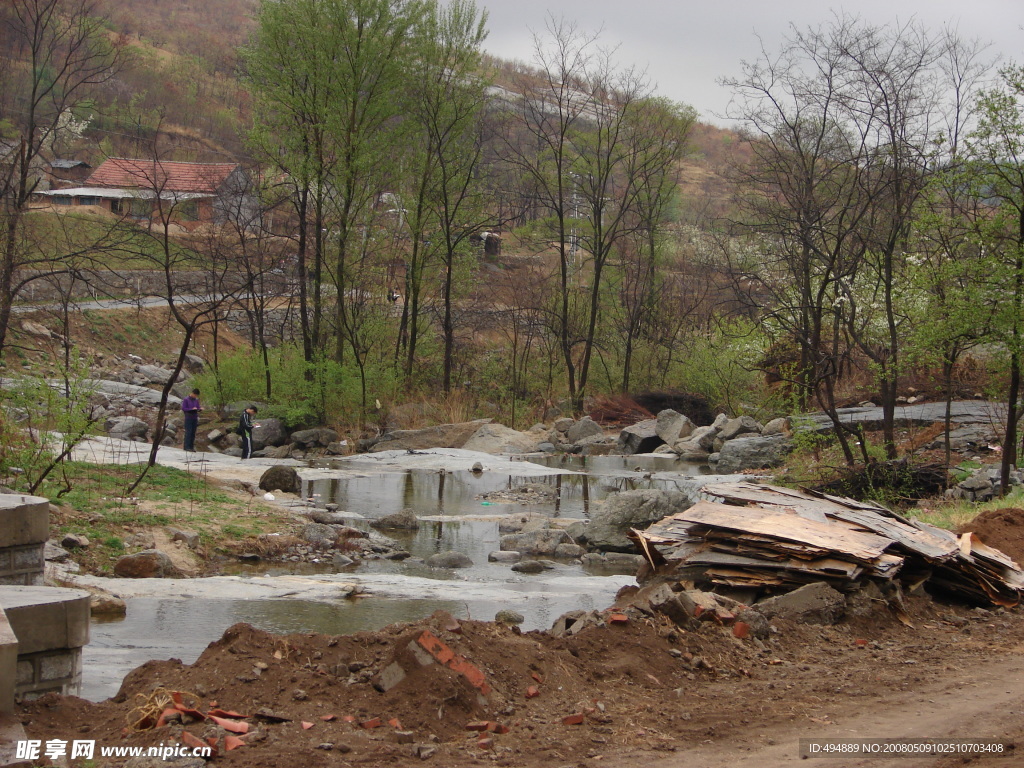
pixel 686 45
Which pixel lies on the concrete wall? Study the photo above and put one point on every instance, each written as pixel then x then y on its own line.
pixel 51 625
pixel 24 528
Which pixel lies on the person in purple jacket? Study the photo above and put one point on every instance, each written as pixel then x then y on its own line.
pixel 191 407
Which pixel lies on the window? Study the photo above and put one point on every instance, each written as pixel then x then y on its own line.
pixel 188 210
pixel 61 199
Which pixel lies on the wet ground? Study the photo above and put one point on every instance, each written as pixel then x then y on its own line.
pixel 459 510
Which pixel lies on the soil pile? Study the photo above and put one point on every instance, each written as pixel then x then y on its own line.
pixel 412 692
pixel 1002 529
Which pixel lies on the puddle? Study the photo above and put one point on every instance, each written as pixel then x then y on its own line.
pixel 175 619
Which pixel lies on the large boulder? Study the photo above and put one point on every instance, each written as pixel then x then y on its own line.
pixel 127 428
pixel 497 438
pixel 641 437
pixel 155 374
pixel 449 559
pixel 610 522
pixel 582 429
pixel 544 541
pixel 815 603
pixel 440 436
pixel 753 453
pixel 148 564
pixel 269 432
pixel 280 478
pixel 313 438
pixel 671 426
pixel 320 535
pixel 741 426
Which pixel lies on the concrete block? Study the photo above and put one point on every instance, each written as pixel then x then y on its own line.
pixel 28 559
pixel 23 520
pixel 57 667
pixel 46 618
pixel 10 668
pixel 26 674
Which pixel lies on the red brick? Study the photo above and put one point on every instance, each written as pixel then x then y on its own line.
pixel 573 719
pixel 532 692
pixel 485 743
pixel 741 629
pixel 479 725
pixel 618 618
pixel 372 723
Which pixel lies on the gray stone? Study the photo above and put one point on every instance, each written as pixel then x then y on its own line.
pixel 509 617
pixel 753 453
pixel 281 478
pixel 154 374
pixel 672 426
pixel 720 421
pixel 690 450
pixel 641 437
pixel 569 551
pixel 54 554
pixel 312 438
pixel 976 482
pixel 337 448
pixel 269 432
pixel 341 561
pixel 563 424
pixel 585 427
pixel 540 542
pixel 449 560
pixel 704 437
pixel 532 566
pixel 742 426
pixel 189 538
pixel 215 434
pixel 405 520
pixel 497 438
pixel 127 428
pixel 546 447
pixel 75 541
pixel 611 521
pixel 815 603
pixel 148 564
pixel 779 426
pixel 440 436
pixel 319 535
pixel 195 364
pixel 510 556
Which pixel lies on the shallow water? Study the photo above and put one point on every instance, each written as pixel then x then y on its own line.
pixel 179 619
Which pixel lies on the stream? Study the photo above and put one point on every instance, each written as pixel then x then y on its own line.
pixel 179 618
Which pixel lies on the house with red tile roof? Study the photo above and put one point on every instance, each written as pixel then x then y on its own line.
pixel 187 194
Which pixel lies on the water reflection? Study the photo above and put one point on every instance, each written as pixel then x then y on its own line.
pixel 458 493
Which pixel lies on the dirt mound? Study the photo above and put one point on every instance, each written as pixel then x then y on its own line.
pixel 1002 529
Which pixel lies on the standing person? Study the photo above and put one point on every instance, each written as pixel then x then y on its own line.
pixel 191 407
pixel 245 427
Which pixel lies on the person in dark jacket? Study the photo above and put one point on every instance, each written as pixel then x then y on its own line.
pixel 191 407
pixel 245 427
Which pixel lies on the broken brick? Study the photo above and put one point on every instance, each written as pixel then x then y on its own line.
pixel 532 692
pixel 618 618
pixel 371 723
pixel 741 630
pixel 445 655
pixel 479 725
pixel 306 725
pixel 394 723
pixel 573 719
pixel 485 743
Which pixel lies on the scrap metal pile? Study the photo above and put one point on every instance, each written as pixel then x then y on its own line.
pixel 773 539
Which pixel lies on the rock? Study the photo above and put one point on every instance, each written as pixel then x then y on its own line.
pixel 405 520
pixel 663 600
pixel 641 437
pixel 741 426
pixel 563 424
pixel 815 603
pixel 690 450
pixel 341 561
pixel 215 434
pixel 510 556
pixel 574 622
pixel 127 428
pixel 194 364
pixel 584 428
pixel 509 617
pixel 106 604
pixel 610 521
pixel 36 329
pixel 312 438
pixel 569 551
pixel 319 535
pixel 497 438
pixel 189 538
pixel 154 374
pixel 753 453
pixel 281 478
pixel 54 554
pixel 779 426
pixel 440 436
pixel 449 560
pixel 612 560
pixel 704 437
pixel 148 564
pixel 672 426
pixel 269 432
pixel 532 566
pixel 540 542
pixel 720 421
pixel 141 540
pixel 75 541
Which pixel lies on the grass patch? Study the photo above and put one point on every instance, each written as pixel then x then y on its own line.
pixel 954 514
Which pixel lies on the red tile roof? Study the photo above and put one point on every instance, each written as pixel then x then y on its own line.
pixel 161 175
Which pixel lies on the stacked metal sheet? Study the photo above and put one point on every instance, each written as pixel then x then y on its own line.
pixel 776 539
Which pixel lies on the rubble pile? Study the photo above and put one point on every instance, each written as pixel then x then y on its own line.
pixel 770 540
